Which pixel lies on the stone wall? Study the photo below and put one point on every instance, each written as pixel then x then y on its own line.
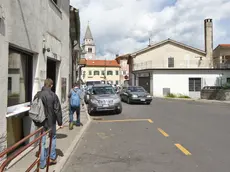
pixel 216 94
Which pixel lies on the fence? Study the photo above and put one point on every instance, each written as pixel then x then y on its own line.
pixel 19 151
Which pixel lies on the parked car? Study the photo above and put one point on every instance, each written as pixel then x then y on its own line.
pixel 104 98
pixel 135 94
pixel 86 93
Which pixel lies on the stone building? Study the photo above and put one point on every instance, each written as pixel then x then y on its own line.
pixel 34 45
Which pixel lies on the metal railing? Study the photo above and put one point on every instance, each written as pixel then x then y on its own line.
pixel 19 151
pixel 163 63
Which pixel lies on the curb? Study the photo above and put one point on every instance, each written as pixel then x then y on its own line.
pixel 60 165
pixel 194 100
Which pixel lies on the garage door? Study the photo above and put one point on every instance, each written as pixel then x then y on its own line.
pixel 145 83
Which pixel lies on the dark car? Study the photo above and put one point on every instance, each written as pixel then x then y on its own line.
pixel 86 93
pixel 135 94
pixel 104 98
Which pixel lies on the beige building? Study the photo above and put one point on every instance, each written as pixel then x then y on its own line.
pixel 221 56
pixel 107 71
pixel 173 67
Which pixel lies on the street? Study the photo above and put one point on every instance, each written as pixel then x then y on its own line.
pixel 166 136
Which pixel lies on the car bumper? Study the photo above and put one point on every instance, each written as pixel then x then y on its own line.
pixel 96 108
pixel 140 100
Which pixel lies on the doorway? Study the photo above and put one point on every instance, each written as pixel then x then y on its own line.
pixel 51 72
pixel 145 83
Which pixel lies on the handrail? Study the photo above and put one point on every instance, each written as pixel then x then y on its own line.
pixel 10 149
pixel 37 161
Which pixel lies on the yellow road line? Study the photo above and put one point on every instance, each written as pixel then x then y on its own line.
pixel 163 132
pixel 185 151
pixel 150 121
pixel 126 120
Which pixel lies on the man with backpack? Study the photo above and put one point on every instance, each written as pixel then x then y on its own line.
pixel 75 99
pixel 46 111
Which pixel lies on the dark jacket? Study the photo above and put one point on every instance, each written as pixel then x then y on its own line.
pixel 52 108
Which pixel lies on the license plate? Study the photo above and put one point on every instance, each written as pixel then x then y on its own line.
pixel 105 105
pixel 142 100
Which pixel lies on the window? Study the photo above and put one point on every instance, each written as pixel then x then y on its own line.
pixel 117 72
pixel 103 72
pixel 19 78
pixel 90 50
pixel 117 82
pixel 96 72
pixel 228 80
pixel 124 72
pixel 109 72
pixel 194 84
pixel 170 62
pixel 90 72
pixel 9 85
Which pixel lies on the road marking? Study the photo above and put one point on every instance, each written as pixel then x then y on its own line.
pixel 163 132
pixel 150 121
pixel 127 120
pixel 185 151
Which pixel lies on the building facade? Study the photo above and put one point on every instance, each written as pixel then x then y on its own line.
pixel 34 45
pixel 173 67
pixel 100 70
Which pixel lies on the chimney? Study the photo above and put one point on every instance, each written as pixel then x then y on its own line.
pixel 208 39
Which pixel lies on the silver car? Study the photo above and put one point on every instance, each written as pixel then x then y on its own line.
pixel 104 98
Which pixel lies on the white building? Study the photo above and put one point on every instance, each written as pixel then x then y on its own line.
pixel 34 45
pixel 173 67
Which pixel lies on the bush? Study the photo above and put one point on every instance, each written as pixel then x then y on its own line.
pixel 183 96
pixel 171 95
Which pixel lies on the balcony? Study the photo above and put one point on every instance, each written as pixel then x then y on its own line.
pixel 178 64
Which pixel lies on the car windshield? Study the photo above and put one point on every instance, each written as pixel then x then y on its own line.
pixel 103 90
pixel 136 89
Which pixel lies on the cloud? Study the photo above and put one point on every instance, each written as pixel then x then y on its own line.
pixel 124 26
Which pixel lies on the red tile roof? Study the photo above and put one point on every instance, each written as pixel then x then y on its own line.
pixel 99 63
pixel 224 45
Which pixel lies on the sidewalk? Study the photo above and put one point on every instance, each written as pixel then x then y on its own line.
pixel 66 141
pixel 196 100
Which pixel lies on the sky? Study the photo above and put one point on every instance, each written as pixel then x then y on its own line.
pixel 125 26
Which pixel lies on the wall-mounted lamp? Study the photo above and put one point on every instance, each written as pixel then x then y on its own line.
pixel 45 49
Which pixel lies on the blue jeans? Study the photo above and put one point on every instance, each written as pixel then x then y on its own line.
pixel 44 150
pixel 72 111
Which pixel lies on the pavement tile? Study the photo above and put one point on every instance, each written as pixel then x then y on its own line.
pixel 64 139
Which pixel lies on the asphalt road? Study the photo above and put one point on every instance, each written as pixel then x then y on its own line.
pixel 167 136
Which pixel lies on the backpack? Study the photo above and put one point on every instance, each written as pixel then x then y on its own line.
pixel 37 111
pixel 75 99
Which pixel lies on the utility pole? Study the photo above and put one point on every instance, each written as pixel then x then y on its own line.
pixel 105 72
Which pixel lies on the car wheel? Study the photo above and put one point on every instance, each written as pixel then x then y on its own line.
pixel 148 103
pixel 118 111
pixel 90 112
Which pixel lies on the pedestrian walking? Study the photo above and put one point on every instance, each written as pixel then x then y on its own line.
pixel 53 113
pixel 75 101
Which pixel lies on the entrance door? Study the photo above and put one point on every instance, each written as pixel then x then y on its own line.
pixel 145 83
pixel 51 72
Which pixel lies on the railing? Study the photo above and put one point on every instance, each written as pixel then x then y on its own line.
pixel 18 152
pixel 162 63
